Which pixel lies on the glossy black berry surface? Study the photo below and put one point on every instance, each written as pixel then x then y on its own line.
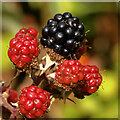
pixel 62 26
pixel 77 35
pixel 53 31
pixel 76 20
pixel 58 48
pixel 65 52
pixel 45 31
pixel 81 27
pixel 58 17
pixel 69 32
pixel 53 24
pixel 50 21
pixel 63 33
pixel 59 38
pixel 69 44
pixel 43 41
pixel 67 15
pixel 50 42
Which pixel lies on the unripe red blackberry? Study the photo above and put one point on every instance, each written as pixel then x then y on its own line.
pixel 92 77
pixel 33 101
pixel 66 31
pixel 24 47
pixel 69 73
pixel 13 96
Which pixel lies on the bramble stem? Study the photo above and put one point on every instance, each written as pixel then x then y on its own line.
pixel 13 110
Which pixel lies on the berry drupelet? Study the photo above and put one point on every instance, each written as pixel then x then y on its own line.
pixel 65 31
pixel 33 101
pixel 69 74
pixel 92 78
pixel 24 47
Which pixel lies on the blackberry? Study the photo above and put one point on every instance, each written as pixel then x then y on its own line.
pixel 13 96
pixel 69 74
pixel 63 34
pixel 34 101
pixel 24 48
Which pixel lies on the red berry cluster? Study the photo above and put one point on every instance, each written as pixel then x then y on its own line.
pixel 33 101
pixel 24 47
pixel 92 77
pixel 71 71
pixel 13 96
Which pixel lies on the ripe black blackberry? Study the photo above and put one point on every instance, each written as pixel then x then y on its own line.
pixel 63 34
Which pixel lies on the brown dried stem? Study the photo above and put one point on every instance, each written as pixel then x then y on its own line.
pixel 13 110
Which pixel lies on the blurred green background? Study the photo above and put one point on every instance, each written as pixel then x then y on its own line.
pixel 102 21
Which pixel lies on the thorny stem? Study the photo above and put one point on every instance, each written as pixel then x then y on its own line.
pixel 13 110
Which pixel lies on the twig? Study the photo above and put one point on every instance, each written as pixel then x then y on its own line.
pixel 71 100
pixel 13 110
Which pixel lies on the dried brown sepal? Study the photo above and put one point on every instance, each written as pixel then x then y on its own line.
pixel 79 92
pixel 27 67
pixel 63 86
pixel 54 56
pixel 34 64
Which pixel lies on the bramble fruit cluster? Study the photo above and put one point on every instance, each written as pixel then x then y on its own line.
pixel 63 34
pixel 92 77
pixel 72 72
pixel 63 43
pixel 69 72
pixel 33 101
pixel 24 47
